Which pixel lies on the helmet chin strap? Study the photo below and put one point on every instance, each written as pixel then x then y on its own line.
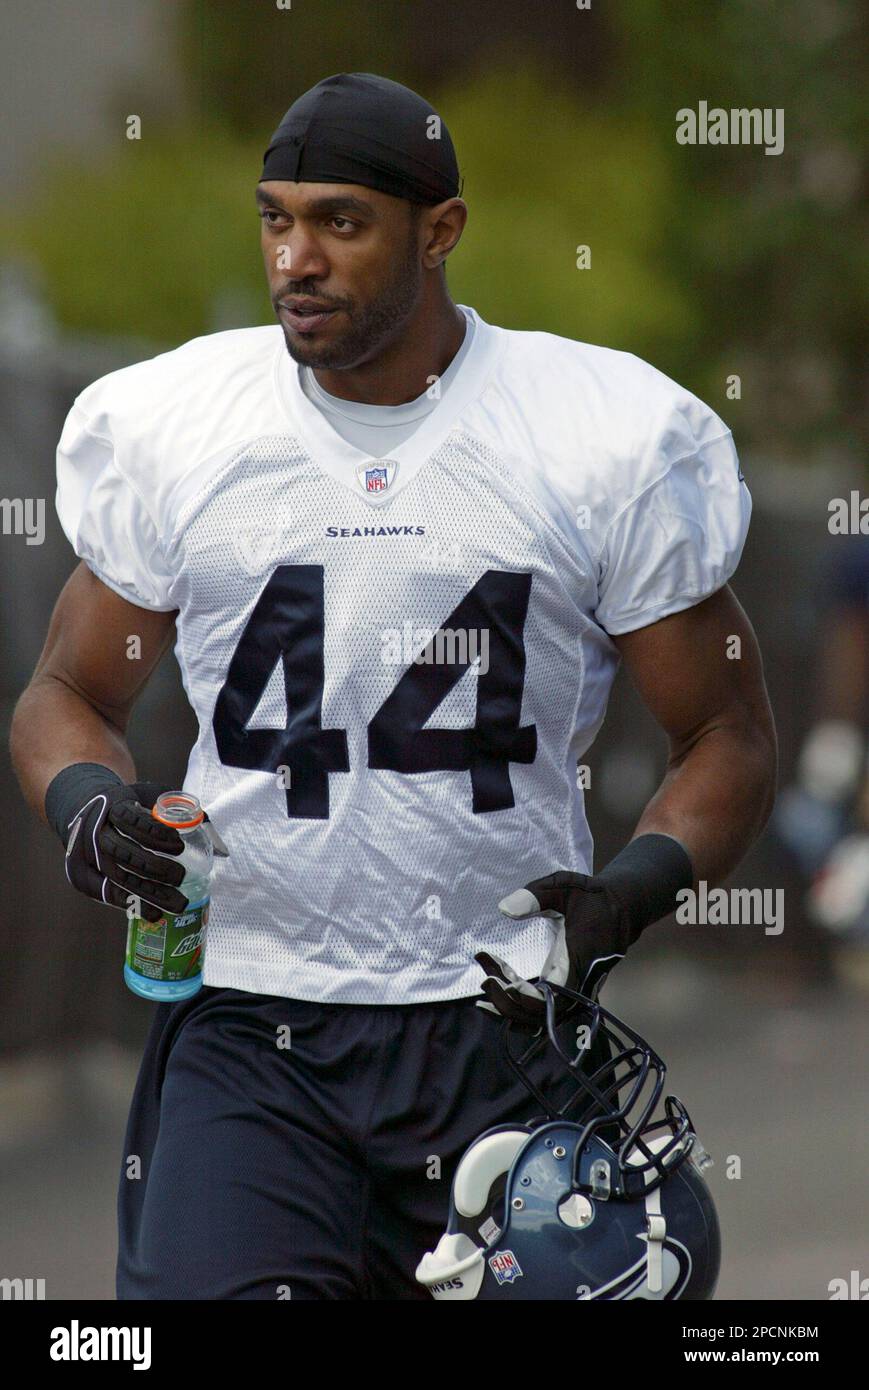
pixel 656 1230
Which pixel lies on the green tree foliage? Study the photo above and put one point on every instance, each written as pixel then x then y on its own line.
pixel 544 177
pixel 151 244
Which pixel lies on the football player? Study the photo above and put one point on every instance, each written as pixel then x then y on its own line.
pixel 401 552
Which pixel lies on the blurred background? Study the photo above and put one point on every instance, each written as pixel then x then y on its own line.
pixel 736 272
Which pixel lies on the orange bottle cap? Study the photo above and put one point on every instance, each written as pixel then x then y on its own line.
pixel 181 810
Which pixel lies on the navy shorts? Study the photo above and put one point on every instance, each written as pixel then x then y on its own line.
pixel 316 1170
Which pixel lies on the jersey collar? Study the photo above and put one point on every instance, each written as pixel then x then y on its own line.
pixel 347 464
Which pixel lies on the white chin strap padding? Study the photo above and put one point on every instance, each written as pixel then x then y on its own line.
pixel 656 1225
pixel 656 1230
pixel 482 1164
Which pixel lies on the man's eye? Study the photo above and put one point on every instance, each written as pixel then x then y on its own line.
pixel 268 213
pixel 345 220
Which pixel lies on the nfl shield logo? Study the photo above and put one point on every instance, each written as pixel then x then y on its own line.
pixel 505 1267
pixel 375 480
pixel 376 476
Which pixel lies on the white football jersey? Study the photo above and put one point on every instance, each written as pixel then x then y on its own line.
pixel 396 663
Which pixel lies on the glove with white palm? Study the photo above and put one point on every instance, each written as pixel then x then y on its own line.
pixel 116 852
pixel 598 917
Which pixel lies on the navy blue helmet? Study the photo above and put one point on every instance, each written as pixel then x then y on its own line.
pixel 595 1199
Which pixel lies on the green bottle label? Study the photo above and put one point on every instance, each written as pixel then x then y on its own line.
pixel 173 947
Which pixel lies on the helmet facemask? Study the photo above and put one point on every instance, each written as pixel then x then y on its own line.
pixel 588 1178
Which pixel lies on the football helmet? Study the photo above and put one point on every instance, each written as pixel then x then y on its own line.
pixel 593 1200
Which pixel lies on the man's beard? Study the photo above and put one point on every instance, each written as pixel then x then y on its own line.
pixel 367 328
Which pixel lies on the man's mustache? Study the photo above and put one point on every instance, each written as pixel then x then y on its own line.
pixel 294 292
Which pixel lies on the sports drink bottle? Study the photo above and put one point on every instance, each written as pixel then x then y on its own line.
pixel 164 958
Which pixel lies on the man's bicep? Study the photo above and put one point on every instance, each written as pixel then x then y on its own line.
pixel 699 667
pixel 102 646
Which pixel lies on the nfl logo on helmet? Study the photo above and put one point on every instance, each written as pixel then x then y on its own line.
pixel 505 1267
pixel 375 480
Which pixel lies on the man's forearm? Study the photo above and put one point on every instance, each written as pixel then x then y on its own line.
pixel 54 726
pixel 716 797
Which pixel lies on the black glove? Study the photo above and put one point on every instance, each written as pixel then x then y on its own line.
pixel 599 916
pixel 110 838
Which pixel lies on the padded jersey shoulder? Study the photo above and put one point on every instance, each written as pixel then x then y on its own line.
pixel 602 424
pixel 196 398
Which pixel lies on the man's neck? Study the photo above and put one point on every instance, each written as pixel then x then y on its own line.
pixel 404 369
